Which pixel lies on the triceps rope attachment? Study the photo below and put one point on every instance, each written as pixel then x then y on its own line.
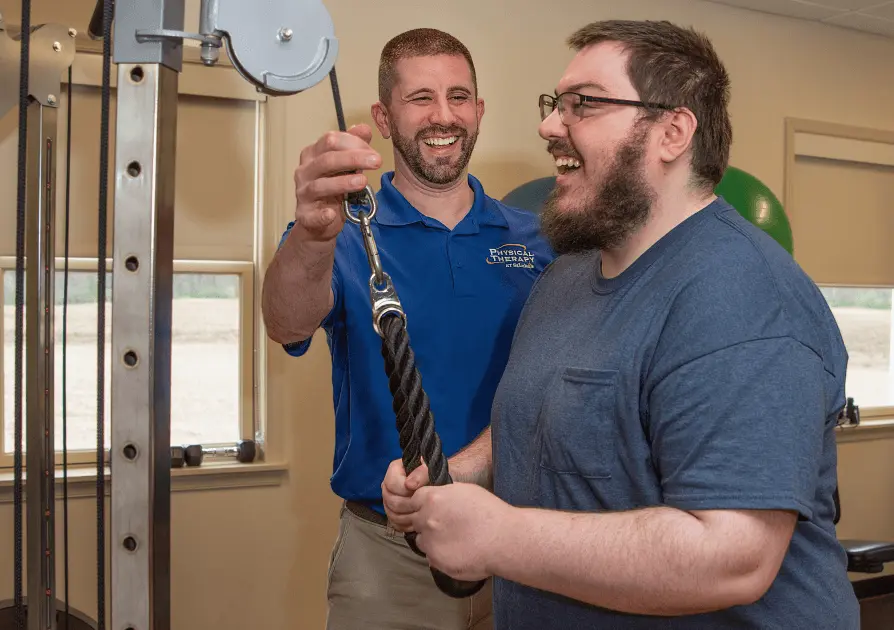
pixel 415 421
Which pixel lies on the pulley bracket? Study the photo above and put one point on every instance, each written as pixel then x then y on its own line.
pixel 281 46
pixel 51 52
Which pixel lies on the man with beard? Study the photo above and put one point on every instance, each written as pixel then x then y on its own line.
pixel 462 264
pixel 664 450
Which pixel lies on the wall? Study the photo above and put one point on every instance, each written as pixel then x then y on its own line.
pixel 256 556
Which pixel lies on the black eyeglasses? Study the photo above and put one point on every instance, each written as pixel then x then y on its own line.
pixel 572 106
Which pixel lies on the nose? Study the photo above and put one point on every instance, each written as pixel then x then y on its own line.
pixel 442 114
pixel 552 127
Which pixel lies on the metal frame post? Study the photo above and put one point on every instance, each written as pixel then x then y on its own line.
pixel 39 363
pixel 143 255
pixel 51 51
pixel 141 346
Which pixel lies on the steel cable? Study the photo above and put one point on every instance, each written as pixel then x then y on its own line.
pixel 24 102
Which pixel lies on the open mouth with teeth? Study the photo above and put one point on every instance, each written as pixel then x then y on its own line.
pixel 441 142
pixel 567 164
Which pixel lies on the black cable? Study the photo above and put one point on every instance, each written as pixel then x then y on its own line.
pixel 339 112
pixel 95 29
pixel 108 15
pixel 64 347
pixel 24 64
pixel 415 422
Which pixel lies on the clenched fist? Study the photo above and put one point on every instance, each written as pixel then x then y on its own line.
pixel 397 489
pixel 328 170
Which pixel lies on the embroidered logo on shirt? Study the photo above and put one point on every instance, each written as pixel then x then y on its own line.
pixel 511 255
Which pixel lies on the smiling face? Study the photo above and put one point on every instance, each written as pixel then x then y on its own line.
pixel 432 116
pixel 606 160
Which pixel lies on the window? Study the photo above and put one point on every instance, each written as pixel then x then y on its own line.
pixel 81 359
pixel 864 317
pixel 218 208
pixel 839 186
pixel 211 352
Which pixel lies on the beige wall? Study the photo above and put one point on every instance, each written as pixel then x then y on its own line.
pixel 256 556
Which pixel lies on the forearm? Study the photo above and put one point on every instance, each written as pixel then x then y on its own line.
pixel 474 463
pixel 296 295
pixel 657 561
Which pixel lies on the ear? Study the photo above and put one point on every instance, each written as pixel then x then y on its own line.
pixel 678 129
pixel 380 117
pixel 480 107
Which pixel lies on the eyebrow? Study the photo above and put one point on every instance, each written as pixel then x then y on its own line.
pixel 577 87
pixel 453 88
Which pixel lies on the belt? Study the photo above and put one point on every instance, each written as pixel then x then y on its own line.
pixel 366 513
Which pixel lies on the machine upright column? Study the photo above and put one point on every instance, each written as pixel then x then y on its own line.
pixel 143 252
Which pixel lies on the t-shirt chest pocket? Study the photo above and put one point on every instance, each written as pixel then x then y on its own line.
pixel 578 423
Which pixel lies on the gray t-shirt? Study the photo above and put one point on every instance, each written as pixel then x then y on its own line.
pixel 708 375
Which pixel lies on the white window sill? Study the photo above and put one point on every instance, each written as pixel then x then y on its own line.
pixel 208 476
pixel 868 429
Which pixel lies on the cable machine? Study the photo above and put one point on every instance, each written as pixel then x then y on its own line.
pixel 283 48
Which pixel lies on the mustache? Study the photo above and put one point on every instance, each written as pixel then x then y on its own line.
pixel 564 147
pixel 453 130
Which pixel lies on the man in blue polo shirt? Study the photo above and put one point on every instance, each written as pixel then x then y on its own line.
pixel 462 264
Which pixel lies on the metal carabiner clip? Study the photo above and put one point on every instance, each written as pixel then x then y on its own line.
pixel 372 252
pixel 381 290
pixel 363 218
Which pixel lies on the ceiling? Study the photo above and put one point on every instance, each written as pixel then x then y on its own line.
pixel 871 16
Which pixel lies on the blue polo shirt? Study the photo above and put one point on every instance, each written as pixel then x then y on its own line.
pixel 462 291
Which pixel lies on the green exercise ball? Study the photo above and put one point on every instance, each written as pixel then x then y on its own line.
pixel 757 203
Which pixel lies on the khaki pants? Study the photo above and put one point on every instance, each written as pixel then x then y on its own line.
pixel 376 582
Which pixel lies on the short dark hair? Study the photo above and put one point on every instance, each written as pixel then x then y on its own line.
pixel 419 42
pixel 679 67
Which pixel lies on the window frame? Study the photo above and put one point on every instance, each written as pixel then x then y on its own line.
pixel 222 81
pixel 243 270
pixel 813 138
pixel 878 412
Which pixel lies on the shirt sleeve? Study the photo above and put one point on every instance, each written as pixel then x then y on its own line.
pixel 300 348
pixel 741 428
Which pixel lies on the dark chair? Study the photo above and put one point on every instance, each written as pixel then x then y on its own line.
pixel 864 556
pixel 875 594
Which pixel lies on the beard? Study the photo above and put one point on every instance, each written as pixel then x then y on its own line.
pixel 441 170
pixel 601 217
